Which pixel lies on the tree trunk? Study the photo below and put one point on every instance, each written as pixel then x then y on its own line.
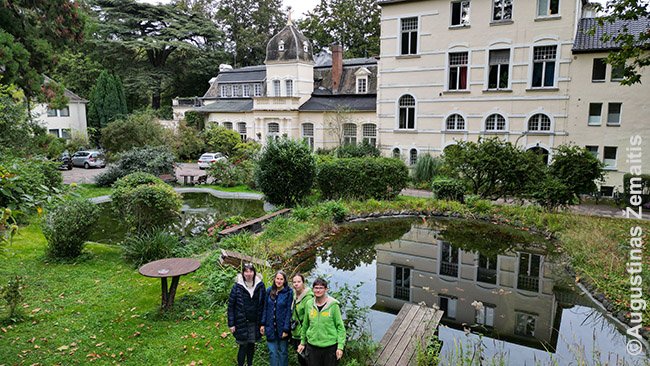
pixel 155 96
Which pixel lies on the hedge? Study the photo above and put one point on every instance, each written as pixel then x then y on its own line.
pixel 362 178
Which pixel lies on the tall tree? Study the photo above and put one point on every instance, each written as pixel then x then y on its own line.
pixel 338 21
pixel 249 24
pixel 78 71
pixel 632 54
pixel 31 34
pixel 107 101
pixel 143 38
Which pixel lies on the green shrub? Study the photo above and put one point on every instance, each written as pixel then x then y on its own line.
pixel 477 204
pixel 228 174
pixel 149 246
pixel 136 179
pixel 13 295
pixel 248 150
pixel 426 168
pixel 26 184
pixel 67 226
pixel 219 281
pixel 448 189
pixel 188 247
pixel 188 143
pixel 362 178
pixel 331 210
pixel 154 160
pixel 361 150
pixel 109 176
pixel 301 213
pixel 285 172
pixel 137 130
pixel 552 193
pixel 643 181
pixel 195 120
pixel 221 139
pixel 576 168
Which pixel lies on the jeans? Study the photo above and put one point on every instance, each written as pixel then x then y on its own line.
pixel 278 352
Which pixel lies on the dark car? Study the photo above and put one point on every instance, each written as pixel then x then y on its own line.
pixel 66 161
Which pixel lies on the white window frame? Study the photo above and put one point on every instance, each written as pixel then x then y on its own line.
pixel 246 91
pixel 620 114
pixel 413 156
pixel 226 91
pixel 257 90
pixel 414 112
pixel 276 87
pixel 594 122
pixel 594 150
pixel 555 67
pixel 538 123
pixel 308 137
pixel 228 125
pixel 485 315
pixel 243 131
pixel 369 133
pixel 610 164
pixel 288 85
pixel 485 121
pixel 273 134
pixel 52 112
pixel 412 33
pixel 455 122
pixel 547 9
pixel 452 306
pixel 362 85
pixel 398 151
pixel 459 66
pixel 499 69
pixel 396 269
pixel 464 4
pixel 348 137
pixel 593 68
pixel 503 7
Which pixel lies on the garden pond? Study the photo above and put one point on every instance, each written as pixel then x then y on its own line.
pixel 501 289
pixel 199 211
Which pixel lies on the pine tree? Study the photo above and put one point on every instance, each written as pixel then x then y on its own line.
pixel 107 101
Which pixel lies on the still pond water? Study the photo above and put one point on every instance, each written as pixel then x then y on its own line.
pixel 530 311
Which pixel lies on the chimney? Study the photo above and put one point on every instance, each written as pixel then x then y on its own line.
pixel 337 66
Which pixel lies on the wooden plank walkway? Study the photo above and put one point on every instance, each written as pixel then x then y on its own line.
pixel 254 225
pixel 399 345
pixel 235 259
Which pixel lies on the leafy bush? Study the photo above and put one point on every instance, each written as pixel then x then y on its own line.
pixel 552 193
pixel 221 139
pixel 448 189
pixel 362 178
pixel 301 213
pixel 426 168
pixel 228 174
pixel 364 149
pixel 27 184
pixel 219 282
pixel 643 181
pixel 149 246
pixel 137 130
pixel 194 245
pixel 157 160
pixel 248 150
pixel 188 143
pixel 477 204
pixel 79 141
pixel 285 172
pixel 12 294
pixel 67 226
pixel 576 168
pixel 145 203
pixel 195 120
pixel 331 210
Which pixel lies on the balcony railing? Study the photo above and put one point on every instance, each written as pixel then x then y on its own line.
pixel 449 269
pixel 528 283
pixel 402 293
pixel 487 275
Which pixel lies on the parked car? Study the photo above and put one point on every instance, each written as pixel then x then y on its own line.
pixel 89 159
pixel 208 158
pixel 65 160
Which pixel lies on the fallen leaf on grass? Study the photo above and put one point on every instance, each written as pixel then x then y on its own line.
pixel 63 348
pixel 31 340
pixel 99 344
pixel 136 334
pixel 224 334
pixel 36 310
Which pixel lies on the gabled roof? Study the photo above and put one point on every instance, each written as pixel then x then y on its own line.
pixel 227 105
pixel 330 103
pixel 585 42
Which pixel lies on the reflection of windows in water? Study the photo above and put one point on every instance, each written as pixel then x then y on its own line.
pixel 448 305
pixel 487 269
pixel 402 283
pixel 485 315
pixel 529 270
pixel 449 260
pixel 525 324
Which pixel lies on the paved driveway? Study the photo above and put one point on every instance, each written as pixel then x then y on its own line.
pixel 81 175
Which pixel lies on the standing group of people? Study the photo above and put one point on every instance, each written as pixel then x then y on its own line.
pixel 306 318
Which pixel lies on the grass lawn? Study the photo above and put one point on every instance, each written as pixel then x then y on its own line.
pixel 241 188
pixel 86 190
pixel 100 309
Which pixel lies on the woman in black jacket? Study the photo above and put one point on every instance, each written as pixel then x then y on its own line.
pixel 245 307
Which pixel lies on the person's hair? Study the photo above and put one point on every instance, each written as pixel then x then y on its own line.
pixel 319 282
pixel 246 266
pixel 274 288
pixel 301 277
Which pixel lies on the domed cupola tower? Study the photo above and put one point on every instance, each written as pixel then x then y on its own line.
pixel 290 65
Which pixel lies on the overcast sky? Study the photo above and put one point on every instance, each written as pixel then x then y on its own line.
pixel 299 6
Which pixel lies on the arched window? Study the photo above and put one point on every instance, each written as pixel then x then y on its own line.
pixel 407 112
pixel 369 133
pixel 274 131
pixel 541 152
pixel 539 122
pixel 227 125
pixel 308 134
pixel 349 134
pixel 241 128
pixel 455 122
pixel 495 122
pixel 396 153
pixel 413 156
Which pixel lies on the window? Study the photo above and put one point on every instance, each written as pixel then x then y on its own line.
pixel 54 131
pixel 499 68
pixel 406 112
pixel 539 122
pixel 349 134
pixel 525 324
pixel 362 85
pixel 396 153
pixel 281 45
pixel 258 90
pixel 548 7
pixel 227 125
pixel 460 13
pixel 609 156
pixel 529 270
pixel 305 46
pixel 289 85
pixel 455 122
pixel 413 157
pixel 448 305
pixel 51 113
pixel 274 131
pixel 246 91
pixel 241 128
pixel 607 191
pixel 409 36
pixel 65 112
pixel 593 150
pixel 614 113
pixel 485 315
pixel 402 288
pixel 236 90
pixel 594 114
pixel 449 260
pixel 66 133
pixel 369 134
pixel 458 70
pixel 487 269
pixel 225 91
pixel 544 66
pixel 618 72
pixel 495 122
pixel 502 10
pixel 599 70
pixel 308 134
pixel 276 88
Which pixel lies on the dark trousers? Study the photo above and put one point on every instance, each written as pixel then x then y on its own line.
pixel 245 354
pixel 302 361
pixel 317 356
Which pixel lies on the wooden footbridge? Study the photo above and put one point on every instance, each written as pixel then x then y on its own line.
pixel 414 323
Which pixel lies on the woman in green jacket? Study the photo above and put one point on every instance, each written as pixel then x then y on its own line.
pixel 323 332
pixel 301 296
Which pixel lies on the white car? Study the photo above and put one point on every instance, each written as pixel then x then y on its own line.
pixel 208 158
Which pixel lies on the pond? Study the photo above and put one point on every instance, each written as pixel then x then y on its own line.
pixel 199 211
pixel 499 287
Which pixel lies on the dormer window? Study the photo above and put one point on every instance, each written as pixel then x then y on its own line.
pixel 362 84
pixel 281 46
pixel 305 46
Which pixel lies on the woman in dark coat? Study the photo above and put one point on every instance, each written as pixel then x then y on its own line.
pixel 276 320
pixel 245 307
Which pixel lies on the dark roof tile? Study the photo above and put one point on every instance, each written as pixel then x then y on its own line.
pixel 585 42
pixel 353 103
